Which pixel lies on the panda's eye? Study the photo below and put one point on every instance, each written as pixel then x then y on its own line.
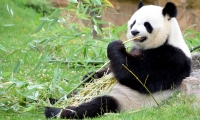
pixel 132 24
pixel 148 27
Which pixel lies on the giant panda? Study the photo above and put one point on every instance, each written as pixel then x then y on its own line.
pixel 160 53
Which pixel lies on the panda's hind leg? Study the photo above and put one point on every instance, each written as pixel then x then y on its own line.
pixel 51 112
pixel 96 107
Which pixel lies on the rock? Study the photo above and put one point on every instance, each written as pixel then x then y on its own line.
pixel 195 61
pixel 191 85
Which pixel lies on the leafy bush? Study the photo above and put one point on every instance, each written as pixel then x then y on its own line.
pixel 74 42
pixel 192 39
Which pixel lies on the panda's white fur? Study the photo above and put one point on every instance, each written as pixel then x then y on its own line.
pixel 162 25
pixel 130 99
pixel 175 33
pixel 164 56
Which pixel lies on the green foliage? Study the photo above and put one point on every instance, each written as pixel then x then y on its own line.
pixel 32 68
pixel 192 39
pixel 41 6
pixel 74 40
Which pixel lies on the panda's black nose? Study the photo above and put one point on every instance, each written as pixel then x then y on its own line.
pixel 135 32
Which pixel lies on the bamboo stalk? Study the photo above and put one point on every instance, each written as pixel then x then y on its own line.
pixel 141 83
pixel 195 48
pixel 135 38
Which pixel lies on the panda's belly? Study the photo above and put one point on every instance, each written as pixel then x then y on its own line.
pixel 129 99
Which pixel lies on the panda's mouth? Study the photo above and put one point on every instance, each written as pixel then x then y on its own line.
pixel 141 39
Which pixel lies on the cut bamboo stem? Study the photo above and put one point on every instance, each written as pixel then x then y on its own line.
pixel 141 83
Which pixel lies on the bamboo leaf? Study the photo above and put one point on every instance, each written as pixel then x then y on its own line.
pixel 55 77
pixel 61 90
pixel 54 21
pixel 7 7
pixel 11 12
pixel 109 3
pixel 73 1
pixel 39 27
pixel 97 29
pixel 55 12
pixel 85 51
pixel 16 68
pixel 12 53
pixel 8 25
pixel 85 10
pixel 32 107
pixel 2 48
pixel 87 1
pixel 37 66
pixel 96 2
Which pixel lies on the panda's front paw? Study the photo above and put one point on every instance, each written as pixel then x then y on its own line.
pixel 115 47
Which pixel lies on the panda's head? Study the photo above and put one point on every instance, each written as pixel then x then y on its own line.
pixel 156 25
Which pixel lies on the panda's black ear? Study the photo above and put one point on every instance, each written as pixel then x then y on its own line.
pixel 170 9
pixel 140 4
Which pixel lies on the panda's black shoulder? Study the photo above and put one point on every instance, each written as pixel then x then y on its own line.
pixel 167 52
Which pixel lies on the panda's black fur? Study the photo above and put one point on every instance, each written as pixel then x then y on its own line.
pixel 161 69
pixel 166 66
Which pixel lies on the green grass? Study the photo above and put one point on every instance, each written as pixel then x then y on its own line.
pixel 10 115
pixel 28 78
pixel 174 109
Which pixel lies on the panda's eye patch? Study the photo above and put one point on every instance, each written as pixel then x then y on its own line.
pixel 148 27
pixel 133 24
